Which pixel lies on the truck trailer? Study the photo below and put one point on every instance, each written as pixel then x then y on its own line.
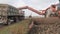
pixel 9 14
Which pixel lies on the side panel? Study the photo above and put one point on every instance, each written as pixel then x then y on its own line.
pixel 3 19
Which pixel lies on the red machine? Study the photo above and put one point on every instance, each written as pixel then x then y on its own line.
pixel 32 9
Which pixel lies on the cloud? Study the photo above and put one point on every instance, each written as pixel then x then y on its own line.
pixel 37 4
pixel 3 1
pixel 16 3
pixel 33 3
pixel 40 4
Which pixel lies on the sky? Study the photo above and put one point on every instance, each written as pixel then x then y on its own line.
pixel 37 4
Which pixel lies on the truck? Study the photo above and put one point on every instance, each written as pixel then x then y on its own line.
pixel 9 14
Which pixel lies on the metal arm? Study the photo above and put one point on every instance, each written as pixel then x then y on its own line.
pixel 32 9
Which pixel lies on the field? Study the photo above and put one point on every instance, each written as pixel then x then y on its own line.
pixel 22 26
pixel 49 25
pixel 17 28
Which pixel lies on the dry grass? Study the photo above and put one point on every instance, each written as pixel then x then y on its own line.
pixel 18 28
pixel 22 27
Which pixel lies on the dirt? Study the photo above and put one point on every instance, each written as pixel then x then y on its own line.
pixel 47 26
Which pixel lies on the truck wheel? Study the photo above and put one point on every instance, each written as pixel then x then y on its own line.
pixel 8 23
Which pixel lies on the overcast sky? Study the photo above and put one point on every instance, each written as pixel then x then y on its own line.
pixel 37 4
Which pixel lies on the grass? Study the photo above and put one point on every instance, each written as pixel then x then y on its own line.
pixel 22 26
pixel 17 28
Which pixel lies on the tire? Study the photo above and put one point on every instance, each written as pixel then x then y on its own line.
pixel 8 23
